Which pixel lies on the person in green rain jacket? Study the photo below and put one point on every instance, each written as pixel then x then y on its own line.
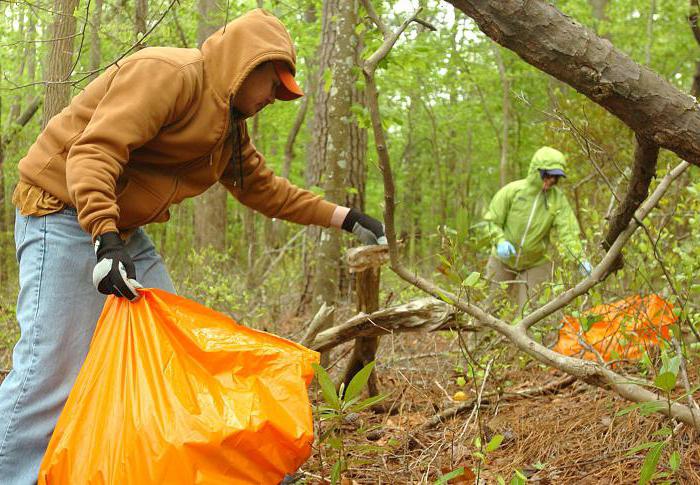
pixel 520 219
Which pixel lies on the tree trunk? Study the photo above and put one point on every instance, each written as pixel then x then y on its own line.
pixel 312 234
pixel 60 60
pixel 332 131
pixel 140 15
pixel 650 32
pixel 505 87
pixel 357 172
pixel 563 48
pixel 599 7
pixel 95 45
pixel 210 207
pixel 16 105
pixel 365 349
pixel 693 14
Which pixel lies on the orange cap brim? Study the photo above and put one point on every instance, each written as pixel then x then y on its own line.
pixel 288 88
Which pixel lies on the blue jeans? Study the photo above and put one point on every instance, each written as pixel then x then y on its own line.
pixel 57 310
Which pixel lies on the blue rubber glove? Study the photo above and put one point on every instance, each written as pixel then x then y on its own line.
pixel 505 249
pixel 585 268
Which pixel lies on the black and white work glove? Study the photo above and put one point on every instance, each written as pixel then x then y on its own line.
pixel 367 229
pixel 114 273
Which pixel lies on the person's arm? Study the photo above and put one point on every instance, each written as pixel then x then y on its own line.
pixel 277 197
pixel 142 96
pixel 496 215
pixel 569 235
pixel 274 196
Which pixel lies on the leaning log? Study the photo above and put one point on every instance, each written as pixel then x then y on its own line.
pixel 421 315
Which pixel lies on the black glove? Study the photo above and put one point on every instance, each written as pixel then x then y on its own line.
pixel 367 229
pixel 114 273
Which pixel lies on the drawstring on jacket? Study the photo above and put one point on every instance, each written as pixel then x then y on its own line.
pixel 236 142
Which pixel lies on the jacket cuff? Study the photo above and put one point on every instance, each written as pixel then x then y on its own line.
pixel 323 213
pixel 102 226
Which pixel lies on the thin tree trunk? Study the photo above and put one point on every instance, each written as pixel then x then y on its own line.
pixel 693 15
pixel 95 45
pixel 338 30
pixel 312 235
pixel 357 170
pixel 16 105
pixel 505 87
pixel 599 7
pixel 210 207
pixel 60 59
pixel 140 16
pixel 650 32
pixel 4 222
pixel 292 137
pixel 180 32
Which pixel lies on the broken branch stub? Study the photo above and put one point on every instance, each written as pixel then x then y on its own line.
pixel 365 257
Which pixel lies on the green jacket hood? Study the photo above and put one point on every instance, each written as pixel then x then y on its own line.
pixel 546 158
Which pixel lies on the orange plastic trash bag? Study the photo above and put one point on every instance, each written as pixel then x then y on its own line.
pixel 619 330
pixel 174 393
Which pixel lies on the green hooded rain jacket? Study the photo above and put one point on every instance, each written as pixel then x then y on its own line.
pixel 524 214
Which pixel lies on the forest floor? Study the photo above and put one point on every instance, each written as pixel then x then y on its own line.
pixel 570 435
pixel 574 434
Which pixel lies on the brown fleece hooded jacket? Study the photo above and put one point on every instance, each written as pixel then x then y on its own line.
pixel 156 128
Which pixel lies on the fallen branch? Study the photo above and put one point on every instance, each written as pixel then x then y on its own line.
pixel 424 314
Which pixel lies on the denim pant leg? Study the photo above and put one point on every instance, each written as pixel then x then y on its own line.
pixel 150 269
pixel 57 310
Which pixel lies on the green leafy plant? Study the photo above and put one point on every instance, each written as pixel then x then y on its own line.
pixel 665 382
pixel 337 409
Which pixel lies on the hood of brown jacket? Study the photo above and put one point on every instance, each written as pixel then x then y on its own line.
pixel 233 51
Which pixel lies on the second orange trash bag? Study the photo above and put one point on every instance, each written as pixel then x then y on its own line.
pixel 621 330
pixel 174 393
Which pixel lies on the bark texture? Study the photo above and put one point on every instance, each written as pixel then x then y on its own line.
pixel 421 315
pixel 367 269
pixel 210 207
pixel 332 126
pixel 565 49
pixel 95 44
pixel 60 60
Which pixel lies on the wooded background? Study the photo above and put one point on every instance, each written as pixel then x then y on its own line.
pixel 462 116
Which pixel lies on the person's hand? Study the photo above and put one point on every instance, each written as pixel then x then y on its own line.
pixel 505 249
pixel 585 268
pixel 114 273
pixel 367 229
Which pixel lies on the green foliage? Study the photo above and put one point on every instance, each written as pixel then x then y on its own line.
pixel 444 479
pixel 337 408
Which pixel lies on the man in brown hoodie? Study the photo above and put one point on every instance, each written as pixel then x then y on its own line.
pixel 160 126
